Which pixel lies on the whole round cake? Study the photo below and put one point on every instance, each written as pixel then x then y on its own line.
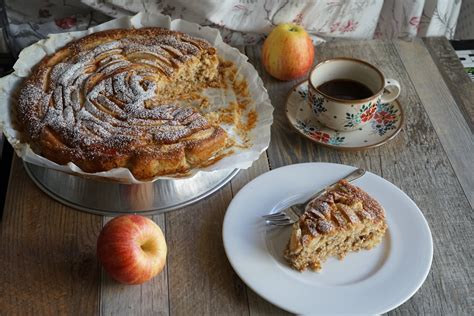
pixel 108 100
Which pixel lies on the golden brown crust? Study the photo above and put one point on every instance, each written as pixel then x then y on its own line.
pixel 108 100
pixel 344 219
pixel 338 209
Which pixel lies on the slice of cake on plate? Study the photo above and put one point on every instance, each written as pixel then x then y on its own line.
pixel 343 219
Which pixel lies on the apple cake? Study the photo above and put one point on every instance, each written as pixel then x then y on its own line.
pixel 343 219
pixel 109 100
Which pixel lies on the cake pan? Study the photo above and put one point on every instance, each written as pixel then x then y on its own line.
pixel 107 198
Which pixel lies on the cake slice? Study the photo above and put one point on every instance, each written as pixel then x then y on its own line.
pixel 344 219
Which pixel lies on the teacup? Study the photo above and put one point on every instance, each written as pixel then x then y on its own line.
pixel 343 106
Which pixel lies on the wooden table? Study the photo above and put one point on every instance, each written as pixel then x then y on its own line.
pixel 47 251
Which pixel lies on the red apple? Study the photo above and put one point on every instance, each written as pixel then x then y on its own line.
pixel 132 249
pixel 288 52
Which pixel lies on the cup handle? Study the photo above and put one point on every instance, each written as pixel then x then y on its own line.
pixel 391 91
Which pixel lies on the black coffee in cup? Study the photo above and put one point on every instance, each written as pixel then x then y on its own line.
pixel 345 89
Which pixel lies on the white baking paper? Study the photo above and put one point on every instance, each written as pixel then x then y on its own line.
pixel 30 56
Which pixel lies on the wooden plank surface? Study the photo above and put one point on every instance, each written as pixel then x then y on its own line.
pixel 48 264
pixel 452 70
pixel 415 161
pixel 150 298
pixel 286 146
pixel 47 251
pixel 257 305
pixel 449 123
pixel 201 280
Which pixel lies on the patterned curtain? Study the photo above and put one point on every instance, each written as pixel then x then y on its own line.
pixel 244 21
pixel 247 21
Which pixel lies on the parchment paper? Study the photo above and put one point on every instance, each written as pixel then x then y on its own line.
pixel 241 158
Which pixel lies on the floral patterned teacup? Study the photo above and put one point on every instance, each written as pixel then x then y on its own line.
pixel 347 115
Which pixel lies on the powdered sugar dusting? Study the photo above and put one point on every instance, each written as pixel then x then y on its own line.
pixel 340 206
pixel 96 97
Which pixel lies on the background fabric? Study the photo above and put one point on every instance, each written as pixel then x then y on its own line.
pixel 32 20
pixel 245 21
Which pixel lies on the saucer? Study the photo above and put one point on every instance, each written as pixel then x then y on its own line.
pixel 385 124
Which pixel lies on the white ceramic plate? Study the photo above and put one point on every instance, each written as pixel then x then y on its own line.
pixel 367 282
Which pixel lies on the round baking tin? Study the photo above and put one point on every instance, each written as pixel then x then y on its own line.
pixel 107 198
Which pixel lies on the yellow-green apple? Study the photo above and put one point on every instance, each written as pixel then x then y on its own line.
pixel 288 52
pixel 132 249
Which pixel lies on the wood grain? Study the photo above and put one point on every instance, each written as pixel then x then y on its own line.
pixel 201 280
pixel 450 125
pixel 150 298
pixel 48 264
pixel 244 176
pixel 282 134
pixel 257 305
pixel 452 70
pixel 415 161
pixel 47 251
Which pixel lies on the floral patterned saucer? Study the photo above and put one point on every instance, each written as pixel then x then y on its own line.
pixel 384 123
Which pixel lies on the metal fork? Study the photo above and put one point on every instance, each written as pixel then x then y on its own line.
pixel 291 214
